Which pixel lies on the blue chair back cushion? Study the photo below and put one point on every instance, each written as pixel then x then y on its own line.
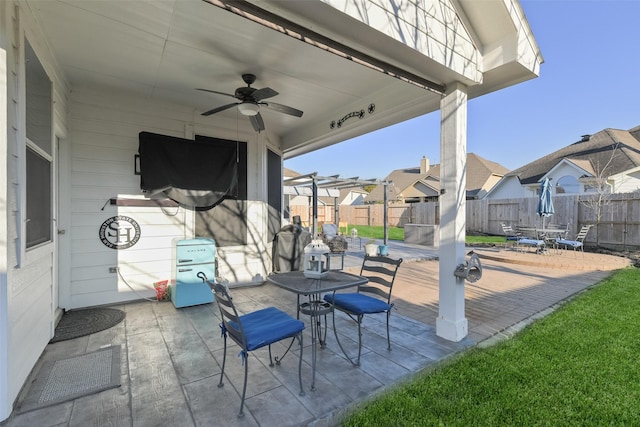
pixel 358 303
pixel 266 326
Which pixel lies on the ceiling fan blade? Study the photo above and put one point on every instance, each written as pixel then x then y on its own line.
pixel 282 109
pixel 263 93
pixel 257 122
pixel 218 109
pixel 215 91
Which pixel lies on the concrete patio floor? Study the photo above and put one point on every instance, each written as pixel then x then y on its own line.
pixel 171 357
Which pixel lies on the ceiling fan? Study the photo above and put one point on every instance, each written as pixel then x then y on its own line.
pixel 251 100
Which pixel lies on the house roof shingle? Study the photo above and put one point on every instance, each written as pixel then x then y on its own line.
pixel 592 153
pixel 479 170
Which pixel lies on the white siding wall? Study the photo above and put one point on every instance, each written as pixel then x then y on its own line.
pixel 354 198
pixel 104 128
pixel 627 183
pixel 508 188
pixel 26 311
pixel 565 169
pixel 423 25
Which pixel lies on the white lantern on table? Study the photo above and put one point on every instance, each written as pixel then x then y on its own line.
pixel 316 259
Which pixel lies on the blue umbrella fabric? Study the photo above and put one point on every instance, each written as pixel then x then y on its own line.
pixel 545 204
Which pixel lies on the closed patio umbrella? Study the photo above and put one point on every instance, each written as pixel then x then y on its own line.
pixel 545 204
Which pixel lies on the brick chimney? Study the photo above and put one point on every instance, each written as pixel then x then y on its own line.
pixel 424 165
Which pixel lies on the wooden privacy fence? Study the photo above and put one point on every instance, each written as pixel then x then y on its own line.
pixel 618 228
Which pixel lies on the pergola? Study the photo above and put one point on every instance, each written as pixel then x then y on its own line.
pixel 312 185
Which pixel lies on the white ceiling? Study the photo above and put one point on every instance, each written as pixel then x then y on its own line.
pixel 165 49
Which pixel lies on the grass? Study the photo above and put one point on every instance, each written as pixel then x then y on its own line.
pixel 377 232
pixel 577 366
pixel 397 233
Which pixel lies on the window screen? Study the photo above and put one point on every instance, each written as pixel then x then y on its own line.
pixel 38 199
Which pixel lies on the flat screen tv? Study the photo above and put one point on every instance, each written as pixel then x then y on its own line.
pixel 197 173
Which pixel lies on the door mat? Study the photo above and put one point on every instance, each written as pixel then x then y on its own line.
pixel 78 323
pixel 58 381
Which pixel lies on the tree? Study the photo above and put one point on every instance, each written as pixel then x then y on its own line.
pixel 600 188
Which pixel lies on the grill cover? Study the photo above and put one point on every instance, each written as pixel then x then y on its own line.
pixel 288 248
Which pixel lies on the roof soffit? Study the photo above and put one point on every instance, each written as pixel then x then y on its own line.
pixel 163 51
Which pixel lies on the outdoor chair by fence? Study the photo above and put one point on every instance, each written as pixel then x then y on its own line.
pixel 578 243
pixel 253 331
pixel 371 298
pixel 510 235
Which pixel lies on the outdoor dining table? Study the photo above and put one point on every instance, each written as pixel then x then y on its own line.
pixel 539 232
pixel 315 306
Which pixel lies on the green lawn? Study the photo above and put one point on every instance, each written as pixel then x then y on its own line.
pixel 576 367
pixel 396 233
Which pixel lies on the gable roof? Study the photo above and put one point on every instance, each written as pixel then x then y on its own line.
pixel 591 153
pixel 479 170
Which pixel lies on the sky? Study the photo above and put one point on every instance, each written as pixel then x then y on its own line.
pixel 589 81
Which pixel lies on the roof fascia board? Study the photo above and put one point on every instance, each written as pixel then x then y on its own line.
pixel 263 17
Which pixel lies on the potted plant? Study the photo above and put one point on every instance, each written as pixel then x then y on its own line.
pixel 383 250
pixel 371 248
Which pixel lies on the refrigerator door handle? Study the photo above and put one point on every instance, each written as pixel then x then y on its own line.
pixel 182 270
pixel 184 261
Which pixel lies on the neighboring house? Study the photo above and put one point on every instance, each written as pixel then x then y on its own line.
pixel 354 196
pixel 82 81
pixel 607 161
pixel 422 184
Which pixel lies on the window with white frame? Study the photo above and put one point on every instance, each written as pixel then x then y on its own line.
pixel 568 185
pixel 38 151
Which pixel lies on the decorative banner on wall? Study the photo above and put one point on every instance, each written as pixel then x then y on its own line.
pixel 119 232
pixel 359 114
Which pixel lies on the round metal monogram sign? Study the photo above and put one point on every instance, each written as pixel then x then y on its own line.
pixel 119 232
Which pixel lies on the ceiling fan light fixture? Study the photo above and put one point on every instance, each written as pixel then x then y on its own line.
pixel 248 108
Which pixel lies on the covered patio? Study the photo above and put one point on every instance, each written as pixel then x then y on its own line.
pixel 83 81
pixel 171 358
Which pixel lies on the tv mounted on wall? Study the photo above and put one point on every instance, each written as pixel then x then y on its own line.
pixel 195 173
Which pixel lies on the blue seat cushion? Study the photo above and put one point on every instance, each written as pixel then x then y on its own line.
pixel 531 242
pixel 357 303
pixel 269 325
pixel 572 243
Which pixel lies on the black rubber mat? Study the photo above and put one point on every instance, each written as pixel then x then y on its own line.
pixel 78 323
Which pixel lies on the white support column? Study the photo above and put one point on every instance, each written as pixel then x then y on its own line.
pixel 6 399
pixel 451 323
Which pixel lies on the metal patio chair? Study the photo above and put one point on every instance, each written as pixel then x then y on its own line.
pixel 578 243
pixel 510 235
pixel 373 297
pixel 254 330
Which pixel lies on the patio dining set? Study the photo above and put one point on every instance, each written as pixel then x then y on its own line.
pixel 548 240
pixel 267 326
